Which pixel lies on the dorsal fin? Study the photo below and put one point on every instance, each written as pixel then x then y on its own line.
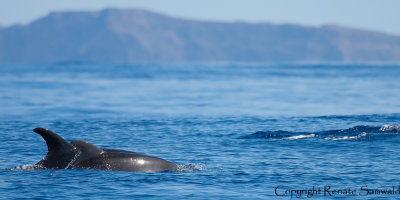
pixel 55 143
pixel 87 149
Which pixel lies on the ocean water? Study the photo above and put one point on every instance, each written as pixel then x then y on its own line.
pixel 236 131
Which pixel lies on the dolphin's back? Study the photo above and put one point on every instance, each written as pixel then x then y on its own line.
pixel 82 154
pixel 120 160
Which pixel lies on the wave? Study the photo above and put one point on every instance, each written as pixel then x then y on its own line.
pixel 353 133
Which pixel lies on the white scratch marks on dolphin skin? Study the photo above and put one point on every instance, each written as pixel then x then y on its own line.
pixel 78 153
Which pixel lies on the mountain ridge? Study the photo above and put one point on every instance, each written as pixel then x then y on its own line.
pixel 141 36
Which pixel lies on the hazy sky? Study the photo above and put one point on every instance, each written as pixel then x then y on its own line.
pixel 381 15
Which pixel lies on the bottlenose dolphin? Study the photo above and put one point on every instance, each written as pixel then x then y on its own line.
pixel 84 155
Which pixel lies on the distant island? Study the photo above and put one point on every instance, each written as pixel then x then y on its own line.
pixel 139 36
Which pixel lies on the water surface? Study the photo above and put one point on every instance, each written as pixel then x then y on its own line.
pixel 237 131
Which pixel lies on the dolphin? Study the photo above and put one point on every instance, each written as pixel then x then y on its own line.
pixel 84 155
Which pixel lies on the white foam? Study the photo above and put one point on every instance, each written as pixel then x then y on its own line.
pixel 296 137
pixel 347 137
pixel 388 127
pixel 190 167
pixel 24 167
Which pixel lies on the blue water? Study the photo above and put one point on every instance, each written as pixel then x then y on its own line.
pixel 236 131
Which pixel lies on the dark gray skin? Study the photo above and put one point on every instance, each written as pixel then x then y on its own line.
pixel 84 155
